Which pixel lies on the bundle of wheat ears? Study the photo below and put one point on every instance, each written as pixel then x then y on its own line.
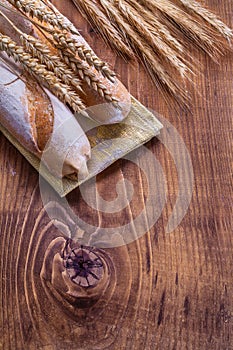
pixel 157 32
pixel 152 31
pixel 60 65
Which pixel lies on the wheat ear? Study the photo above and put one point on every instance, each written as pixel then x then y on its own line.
pixel 35 8
pixel 195 8
pixel 98 20
pixel 156 26
pixel 53 62
pixel 77 66
pixel 41 51
pixel 65 42
pixel 67 69
pixel 160 47
pixel 88 75
pixel 39 71
pixel 147 57
pixel 151 63
pixel 200 34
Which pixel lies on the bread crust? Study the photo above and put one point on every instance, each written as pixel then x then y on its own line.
pixel 34 117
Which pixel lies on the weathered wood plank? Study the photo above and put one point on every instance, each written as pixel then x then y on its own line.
pixel 167 291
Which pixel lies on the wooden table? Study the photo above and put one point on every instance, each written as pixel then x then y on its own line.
pixel 169 291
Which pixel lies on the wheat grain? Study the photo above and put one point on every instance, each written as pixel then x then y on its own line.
pixel 41 51
pixel 35 8
pixel 65 42
pixel 111 35
pixel 200 34
pixel 53 62
pixel 90 77
pixel 147 57
pixel 39 71
pixel 195 8
pixel 151 37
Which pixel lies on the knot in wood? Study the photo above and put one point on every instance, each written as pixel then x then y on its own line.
pixel 83 265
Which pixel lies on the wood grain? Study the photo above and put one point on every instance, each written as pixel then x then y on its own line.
pixel 167 291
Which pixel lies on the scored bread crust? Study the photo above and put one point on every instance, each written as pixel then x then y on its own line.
pixel 24 106
pixel 35 118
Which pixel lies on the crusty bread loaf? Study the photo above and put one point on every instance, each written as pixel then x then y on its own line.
pixel 34 115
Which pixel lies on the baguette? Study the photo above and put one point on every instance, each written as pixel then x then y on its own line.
pixel 25 109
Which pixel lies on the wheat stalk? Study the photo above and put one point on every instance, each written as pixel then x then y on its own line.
pixel 199 33
pixel 147 57
pixel 43 13
pixel 65 42
pixel 160 47
pixel 39 71
pixel 89 76
pixel 41 51
pixel 67 67
pixel 96 17
pixel 13 71
pixel 195 8
pixel 53 62
pixel 156 26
